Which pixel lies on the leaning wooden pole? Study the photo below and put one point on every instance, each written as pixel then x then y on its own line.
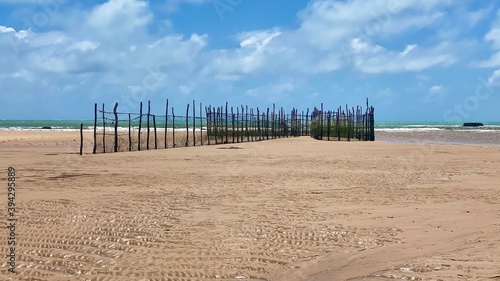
pixel 116 126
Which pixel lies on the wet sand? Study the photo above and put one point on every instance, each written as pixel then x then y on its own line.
pixel 286 209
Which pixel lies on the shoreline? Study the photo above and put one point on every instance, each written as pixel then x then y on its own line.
pixel 443 137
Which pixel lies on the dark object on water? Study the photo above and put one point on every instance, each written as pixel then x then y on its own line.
pixel 473 124
pixel 47 128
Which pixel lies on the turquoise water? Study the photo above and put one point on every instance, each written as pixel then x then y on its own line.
pixel 89 124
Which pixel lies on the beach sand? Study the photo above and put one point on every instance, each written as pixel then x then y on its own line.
pixel 286 209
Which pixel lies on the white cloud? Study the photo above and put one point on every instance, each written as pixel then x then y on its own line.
pixel 408 49
pixel 334 35
pixel 386 61
pixel 494 79
pixel 111 46
pixel 434 93
pixel 492 37
pixel 435 89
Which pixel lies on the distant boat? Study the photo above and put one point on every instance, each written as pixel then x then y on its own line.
pixel 472 124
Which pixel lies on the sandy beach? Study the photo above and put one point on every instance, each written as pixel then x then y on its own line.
pixel 288 209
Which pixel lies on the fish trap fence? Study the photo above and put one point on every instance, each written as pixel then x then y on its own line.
pixel 344 124
pixel 197 125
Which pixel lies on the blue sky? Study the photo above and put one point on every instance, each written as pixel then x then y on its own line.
pixel 434 60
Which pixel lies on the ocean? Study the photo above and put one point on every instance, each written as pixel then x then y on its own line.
pixel 72 125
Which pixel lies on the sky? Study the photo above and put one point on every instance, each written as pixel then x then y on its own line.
pixel 433 60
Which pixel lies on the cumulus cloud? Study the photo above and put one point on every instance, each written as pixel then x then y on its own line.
pixel 110 48
pixel 434 93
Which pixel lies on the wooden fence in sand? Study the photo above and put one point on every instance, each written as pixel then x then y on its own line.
pixel 197 126
pixel 349 124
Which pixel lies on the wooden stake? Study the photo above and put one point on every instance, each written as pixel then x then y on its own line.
pixel 140 126
pixel 187 125
pixel 81 138
pixel 154 125
pixel 147 124
pixel 95 129
pixel 116 126
pixel 166 125
pixel 103 131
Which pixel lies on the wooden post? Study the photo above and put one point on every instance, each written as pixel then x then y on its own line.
pixel 187 125
pixel 215 124
pixel 147 124
pixel 329 124
pixel 279 124
pixel 252 132
pixel 232 121
pixel 194 123
pixel 267 123
pixel 226 132
pixel 237 126
pixel 173 127
pixel 321 122
pixel 81 138
pixel 208 113
pixel 258 125
pixel 166 125
pixel 246 124
pixel 154 126
pixel 95 129
pixel 339 111
pixel 129 134
pixel 307 123
pixel 103 131
pixel 242 123
pixel 302 123
pixel 274 121
pixel 116 126
pixel 201 124
pixel 140 126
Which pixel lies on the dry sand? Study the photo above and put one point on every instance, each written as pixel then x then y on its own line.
pixel 288 209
